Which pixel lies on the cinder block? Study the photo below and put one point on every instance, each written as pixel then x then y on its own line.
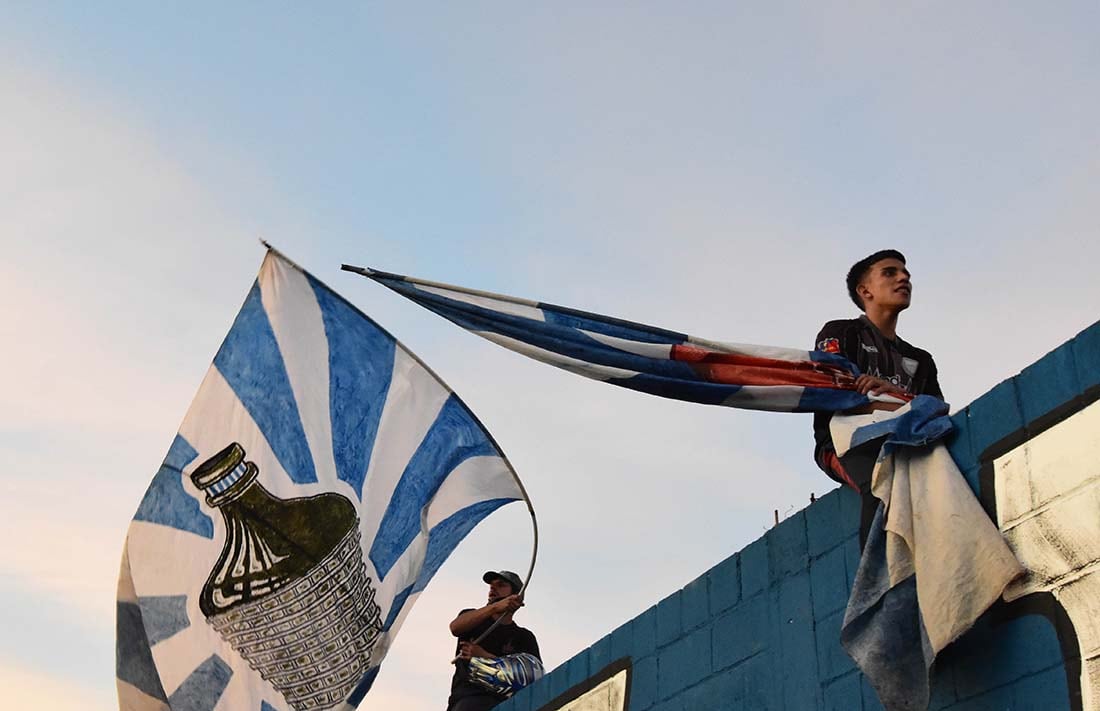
pixel 645 633
pixel 994 700
pixel 850 505
pixel 991 655
pixel 520 702
pixel 577 669
pixel 599 655
pixel 724 584
pixel 540 693
pixel 958 442
pixel 643 684
pixel 852 556
pixel 798 661
pixel 942 683
pixel 694 608
pixel 824 526
pixel 669 627
pixel 1040 690
pixel 725 690
pixel 994 416
pixel 741 632
pixel 787 549
pixel 844 694
pixel 1048 383
pixel 832 660
pixel 559 680
pixel 1086 356
pixel 829 582
pixel 793 597
pixel 683 663
pixel 674 704
pixel 762 692
pixel 870 698
pixel 754 568
pixel 622 641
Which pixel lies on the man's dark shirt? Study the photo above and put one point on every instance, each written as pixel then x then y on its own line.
pixel 860 341
pixel 505 639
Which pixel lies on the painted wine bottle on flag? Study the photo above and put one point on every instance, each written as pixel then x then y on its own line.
pixel 319 480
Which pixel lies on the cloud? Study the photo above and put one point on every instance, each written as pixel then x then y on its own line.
pixel 111 252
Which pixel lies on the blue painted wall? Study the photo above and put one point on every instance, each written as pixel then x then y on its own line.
pixel 761 630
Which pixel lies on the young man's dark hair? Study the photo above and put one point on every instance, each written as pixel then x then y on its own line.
pixel 860 268
pixel 880 286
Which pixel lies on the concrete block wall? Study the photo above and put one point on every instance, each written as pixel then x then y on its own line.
pixel 761 630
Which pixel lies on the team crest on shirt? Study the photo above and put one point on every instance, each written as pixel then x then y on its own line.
pixel 910 366
pixel 829 345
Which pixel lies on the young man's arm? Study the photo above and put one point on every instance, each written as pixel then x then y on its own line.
pixel 468 620
pixel 840 337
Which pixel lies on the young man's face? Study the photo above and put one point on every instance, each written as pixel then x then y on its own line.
pixel 886 285
pixel 499 589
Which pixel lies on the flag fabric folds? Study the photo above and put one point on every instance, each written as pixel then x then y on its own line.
pixel 319 480
pixel 644 358
pixel 934 561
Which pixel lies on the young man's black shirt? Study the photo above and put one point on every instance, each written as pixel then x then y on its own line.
pixel 860 341
pixel 505 639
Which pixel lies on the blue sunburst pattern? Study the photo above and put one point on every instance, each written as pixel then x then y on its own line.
pixel 322 399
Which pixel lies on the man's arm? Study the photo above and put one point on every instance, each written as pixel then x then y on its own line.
pixel 466 650
pixel 870 385
pixel 838 337
pixel 470 619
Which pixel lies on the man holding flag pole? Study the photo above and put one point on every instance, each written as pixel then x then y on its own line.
pixel 494 656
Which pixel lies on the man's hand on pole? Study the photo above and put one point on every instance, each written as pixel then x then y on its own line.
pixel 870 385
pixel 469 649
pixel 507 605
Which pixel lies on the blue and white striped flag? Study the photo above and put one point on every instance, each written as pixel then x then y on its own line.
pixel 320 478
pixel 645 358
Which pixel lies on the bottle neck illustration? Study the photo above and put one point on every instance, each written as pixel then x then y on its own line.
pixel 269 542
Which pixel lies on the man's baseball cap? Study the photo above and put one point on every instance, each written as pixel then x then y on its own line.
pixel 505 575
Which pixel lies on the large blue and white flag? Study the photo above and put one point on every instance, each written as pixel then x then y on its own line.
pixel 645 358
pixel 320 478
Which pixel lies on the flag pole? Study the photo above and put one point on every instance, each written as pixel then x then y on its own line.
pixel 373 273
pixel 370 273
pixel 530 570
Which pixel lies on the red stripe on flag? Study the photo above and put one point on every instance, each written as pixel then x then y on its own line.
pixel 740 369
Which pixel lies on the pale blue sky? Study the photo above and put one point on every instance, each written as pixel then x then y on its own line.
pixel 712 168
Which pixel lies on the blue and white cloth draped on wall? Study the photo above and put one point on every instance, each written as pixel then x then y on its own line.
pixel 644 358
pixel 320 478
pixel 933 562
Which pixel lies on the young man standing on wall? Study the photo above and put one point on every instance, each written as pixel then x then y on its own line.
pixel 505 638
pixel 879 285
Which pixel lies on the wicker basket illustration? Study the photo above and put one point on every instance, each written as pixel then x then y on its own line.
pixel 312 639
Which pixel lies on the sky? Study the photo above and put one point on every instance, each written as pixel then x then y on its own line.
pixel 713 168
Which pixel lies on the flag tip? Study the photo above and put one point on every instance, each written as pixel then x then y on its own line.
pixel 365 271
